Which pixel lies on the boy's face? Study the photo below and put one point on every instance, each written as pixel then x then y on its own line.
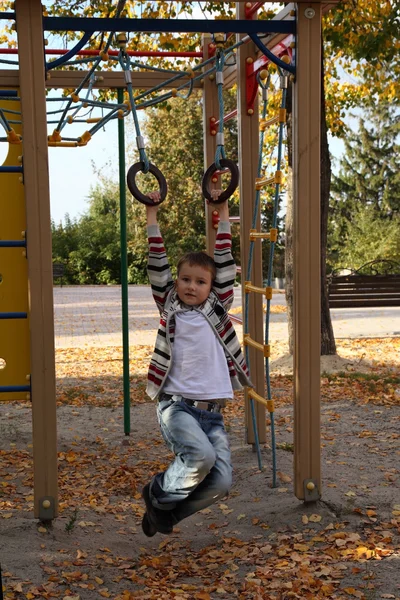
pixel 193 284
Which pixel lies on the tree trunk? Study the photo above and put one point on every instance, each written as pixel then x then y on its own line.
pixel 328 345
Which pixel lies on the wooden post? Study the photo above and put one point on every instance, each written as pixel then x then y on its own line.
pixel 306 243
pixel 248 130
pixel 37 198
pixel 210 110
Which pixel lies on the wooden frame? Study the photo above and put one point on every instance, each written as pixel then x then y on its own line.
pixel 37 200
pixel 306 242
pixel 307 88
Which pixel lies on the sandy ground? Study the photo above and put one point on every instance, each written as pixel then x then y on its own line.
pixel 259 543
pixel 96 547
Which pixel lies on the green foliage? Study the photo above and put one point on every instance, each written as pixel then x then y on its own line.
pixel 365 199
pixel 90 247
pixel 369 237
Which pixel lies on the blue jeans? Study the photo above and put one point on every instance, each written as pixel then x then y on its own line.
pixel 201 473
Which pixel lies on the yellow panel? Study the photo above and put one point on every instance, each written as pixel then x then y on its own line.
pixel 14 280
pixel 14 342
pixel 14 333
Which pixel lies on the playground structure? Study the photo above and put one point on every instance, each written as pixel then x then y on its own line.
pixel 30 286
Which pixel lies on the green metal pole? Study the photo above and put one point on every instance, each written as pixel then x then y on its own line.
pixel 124 269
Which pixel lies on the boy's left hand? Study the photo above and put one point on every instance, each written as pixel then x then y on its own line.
pixel 154 196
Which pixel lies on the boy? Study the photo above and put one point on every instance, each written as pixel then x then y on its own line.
pixel 196 364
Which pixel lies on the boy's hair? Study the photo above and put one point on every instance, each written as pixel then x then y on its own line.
pixel 198 259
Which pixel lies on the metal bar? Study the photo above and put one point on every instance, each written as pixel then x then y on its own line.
pixel 7 15
pixel 91 52
pixel 13 315
pixel 5 389
pixel 10 169
pixel 12 243
pixel 227 117
pixel 124 270
pixel 167 25
pixel 8 93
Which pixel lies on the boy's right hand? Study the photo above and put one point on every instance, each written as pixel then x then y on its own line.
pixel 151 211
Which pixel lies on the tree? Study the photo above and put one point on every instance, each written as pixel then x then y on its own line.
pixel 366 191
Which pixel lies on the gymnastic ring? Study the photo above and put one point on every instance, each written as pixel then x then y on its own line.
pixel 233 168
pixel 134 190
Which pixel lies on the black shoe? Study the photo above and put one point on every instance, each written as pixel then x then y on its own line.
pixel 148 529
pixel 155 519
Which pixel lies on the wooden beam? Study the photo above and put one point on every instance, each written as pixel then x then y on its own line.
pixel 248 130
pixel 306 242
pixel 37 198
pixel 104 79
pixel 210 109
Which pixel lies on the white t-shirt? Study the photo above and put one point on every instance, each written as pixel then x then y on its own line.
pixel 199 369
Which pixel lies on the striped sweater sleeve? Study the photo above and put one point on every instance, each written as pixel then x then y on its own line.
pixel 158 268
pixel 226 268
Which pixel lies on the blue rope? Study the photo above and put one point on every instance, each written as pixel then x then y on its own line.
pixel 125 64
pixel 219 64
pixel 248 278
pixel 269 275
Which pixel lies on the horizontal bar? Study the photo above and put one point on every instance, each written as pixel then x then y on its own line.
pixel 13 315
pixel 10 169
pixel 167 25
pixel 227 117
pixel 234 219
pixel 7 15
pixel 268 403
pixel 4 389
pixel 91 52
pixel 12 243
pixel 107 79
pixel 235 318
pixel 8 93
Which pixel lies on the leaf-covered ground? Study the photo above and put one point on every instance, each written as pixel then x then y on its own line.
pixel 260 543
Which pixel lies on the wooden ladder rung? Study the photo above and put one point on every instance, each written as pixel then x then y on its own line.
pixel 267 291
pixel 264 348
pixel 272 235
pixel 268 403
pixel 265 123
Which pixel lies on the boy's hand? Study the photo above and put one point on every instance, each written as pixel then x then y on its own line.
pixel 222 207
pixel 151 211
pixel 215 194
pixel 155 196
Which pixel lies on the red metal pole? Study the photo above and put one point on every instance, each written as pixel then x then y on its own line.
pixel 250 10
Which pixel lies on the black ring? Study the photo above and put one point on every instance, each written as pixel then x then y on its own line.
pixel 134 190
pixel 226 164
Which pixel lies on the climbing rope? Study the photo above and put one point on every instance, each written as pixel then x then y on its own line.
pixel 272 236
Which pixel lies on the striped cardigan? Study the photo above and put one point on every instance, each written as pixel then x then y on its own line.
pixel 214 309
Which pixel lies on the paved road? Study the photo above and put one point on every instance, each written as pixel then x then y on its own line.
pixel 91 316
